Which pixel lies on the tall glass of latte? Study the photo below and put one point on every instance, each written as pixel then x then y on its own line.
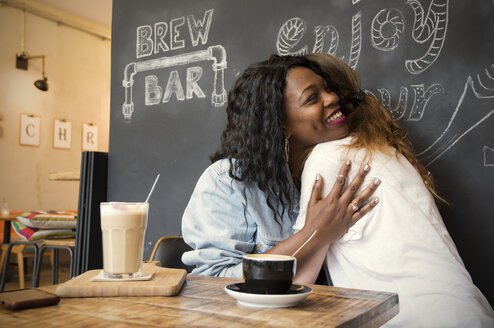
pixel 123 226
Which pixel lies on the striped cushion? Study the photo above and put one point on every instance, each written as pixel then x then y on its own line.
pixel 49 219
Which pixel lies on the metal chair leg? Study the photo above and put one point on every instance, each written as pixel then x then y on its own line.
pixel 55 263
pixel 71 265
pixel 37 267
pixel 5 265
pixel 54 270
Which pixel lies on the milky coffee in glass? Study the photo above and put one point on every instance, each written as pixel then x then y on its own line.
pixel 123 226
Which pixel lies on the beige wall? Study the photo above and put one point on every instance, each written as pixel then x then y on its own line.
pixel 78 71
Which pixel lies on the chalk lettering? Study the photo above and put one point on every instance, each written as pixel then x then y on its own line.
pixel 154 93
pixel 149 41
pixel 193 75
pixel 175 43
pixel 160 30
pixel 152 90
pixel 199 29
pixel 144 42
pixel 173 86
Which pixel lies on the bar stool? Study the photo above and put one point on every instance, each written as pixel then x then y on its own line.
pixel 55 245
pixel 18 248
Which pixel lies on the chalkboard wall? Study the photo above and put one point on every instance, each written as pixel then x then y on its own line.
pixel 430 62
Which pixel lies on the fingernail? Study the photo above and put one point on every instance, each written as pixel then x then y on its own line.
pixel 376 201
pixel 366 168
pixel 318 177
pixel 377 182
pixel 348 162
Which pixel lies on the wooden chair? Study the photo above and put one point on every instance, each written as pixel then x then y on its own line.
pixel 21 249
pixel 168 251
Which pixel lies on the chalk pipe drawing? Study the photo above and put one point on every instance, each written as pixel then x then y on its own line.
pixel 488 156
pixel 215 53
pixel 460 123
pixel 292 31
pixel 385 21
pixel 424 27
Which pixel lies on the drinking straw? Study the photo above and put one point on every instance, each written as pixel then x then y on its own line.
pixel 152 188
pixel 305 242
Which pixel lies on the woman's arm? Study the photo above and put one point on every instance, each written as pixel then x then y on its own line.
pixel 214 225
pixel 331 216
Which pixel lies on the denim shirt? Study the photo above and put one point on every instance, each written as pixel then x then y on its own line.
pixel 226 219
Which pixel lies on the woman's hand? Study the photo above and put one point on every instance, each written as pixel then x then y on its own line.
pixel 334 214
pixel 331 216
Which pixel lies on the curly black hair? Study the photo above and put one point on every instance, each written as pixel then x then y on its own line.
pixel 253 139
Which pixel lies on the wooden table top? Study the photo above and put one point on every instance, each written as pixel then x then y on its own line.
pixel 203 302
pixel 12 216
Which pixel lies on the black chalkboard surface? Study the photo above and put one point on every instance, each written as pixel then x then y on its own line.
pixel 430 62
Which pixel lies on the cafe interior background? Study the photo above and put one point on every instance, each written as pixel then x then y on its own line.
pixel 75 38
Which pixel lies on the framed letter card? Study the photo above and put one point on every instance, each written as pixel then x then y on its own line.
pixel 30 130
pixel 89 137
pixel 61 134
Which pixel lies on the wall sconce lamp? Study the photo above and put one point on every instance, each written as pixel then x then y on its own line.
pixel 21 63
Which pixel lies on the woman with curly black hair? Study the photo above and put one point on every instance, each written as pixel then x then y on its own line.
pixel 247 200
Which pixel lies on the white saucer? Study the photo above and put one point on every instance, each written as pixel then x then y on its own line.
pixel 293 296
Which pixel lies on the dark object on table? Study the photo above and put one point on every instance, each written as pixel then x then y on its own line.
pixel 27 298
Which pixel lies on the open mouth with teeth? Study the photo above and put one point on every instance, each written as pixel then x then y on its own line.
pixel 336 117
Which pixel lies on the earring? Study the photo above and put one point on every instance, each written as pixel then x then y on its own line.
pixel 287 149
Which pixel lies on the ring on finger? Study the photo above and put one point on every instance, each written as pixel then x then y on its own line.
pixel 341 177
pixel 354 207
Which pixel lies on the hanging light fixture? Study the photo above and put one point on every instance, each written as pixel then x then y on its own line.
pixel 22 63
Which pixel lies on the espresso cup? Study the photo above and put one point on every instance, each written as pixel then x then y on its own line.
pixel 268 273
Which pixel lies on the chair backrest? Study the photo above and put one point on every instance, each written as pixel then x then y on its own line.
pixel 168 250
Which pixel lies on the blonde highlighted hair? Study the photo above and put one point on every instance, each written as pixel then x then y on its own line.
pixel 369 122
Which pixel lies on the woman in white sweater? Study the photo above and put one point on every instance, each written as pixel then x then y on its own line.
pixel 402 245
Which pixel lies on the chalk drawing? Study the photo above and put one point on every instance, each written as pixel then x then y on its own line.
pixel 482 83
pixel 420 100
pixel 356 1
pixel 356 46
pixel 289 35
pixel 153 93
pixel 334 39
pixel 216 53
pixel 461 123
pixel 149 41
pixel 422 97
pixel 293 30
pixel 434 25
pixel 488 156
pixel 399 111
pixel 387 28
pixel 199 29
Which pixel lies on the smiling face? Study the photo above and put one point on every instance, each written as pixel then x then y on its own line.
pixel 312 110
